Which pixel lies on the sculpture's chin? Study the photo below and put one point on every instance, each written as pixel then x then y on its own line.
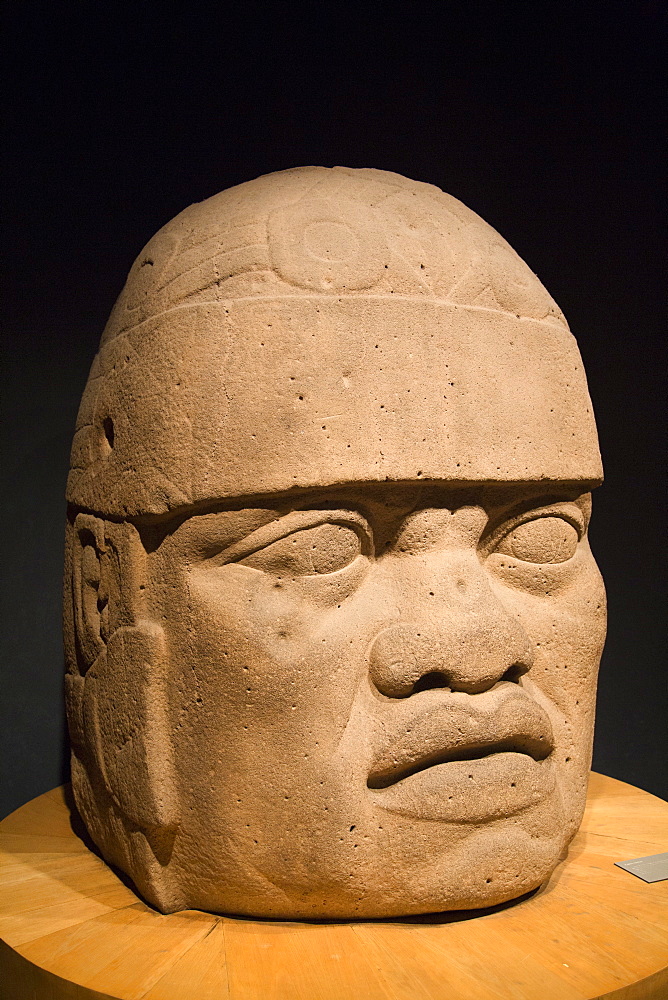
pixel 495 867
pixel 371 908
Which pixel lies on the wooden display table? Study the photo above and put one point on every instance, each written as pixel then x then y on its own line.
pixel 70 929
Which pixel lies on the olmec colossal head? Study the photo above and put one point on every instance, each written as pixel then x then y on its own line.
pixel 332 620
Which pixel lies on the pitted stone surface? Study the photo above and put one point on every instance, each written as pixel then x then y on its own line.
pixel 331 619
pixel 325 283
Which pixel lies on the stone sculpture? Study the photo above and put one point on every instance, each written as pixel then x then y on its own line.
pixel 332 622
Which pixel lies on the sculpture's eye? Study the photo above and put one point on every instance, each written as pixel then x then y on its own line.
pixel 541 540
pixel 324 548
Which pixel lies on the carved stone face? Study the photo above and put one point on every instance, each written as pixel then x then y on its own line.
pixel 389 694
pixel 335 625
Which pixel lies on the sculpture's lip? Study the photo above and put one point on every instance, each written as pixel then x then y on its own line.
pixel 537 749
pixel 451 727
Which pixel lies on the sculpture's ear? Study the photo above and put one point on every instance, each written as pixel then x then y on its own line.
pixel 90 589
pixel 106 566
pixel 118 708
pixel 85 619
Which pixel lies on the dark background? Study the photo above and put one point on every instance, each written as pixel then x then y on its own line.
pixel 544 118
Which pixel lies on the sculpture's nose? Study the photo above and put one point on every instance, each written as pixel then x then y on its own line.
pixel 467 642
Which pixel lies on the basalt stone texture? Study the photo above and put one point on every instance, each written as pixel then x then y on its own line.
pixel 332 622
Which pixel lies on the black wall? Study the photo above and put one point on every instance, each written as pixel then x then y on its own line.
pixel 543 118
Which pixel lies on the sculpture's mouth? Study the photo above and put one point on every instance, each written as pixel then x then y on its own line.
pixel 523 743
pixel 437 727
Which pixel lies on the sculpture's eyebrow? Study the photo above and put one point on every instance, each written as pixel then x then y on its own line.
pixel 370 497
pixel 296 520
pixel 513 507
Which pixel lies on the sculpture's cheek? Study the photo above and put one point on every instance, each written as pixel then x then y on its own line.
pixel 563 610
pixel 264 689
pixel 565 619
